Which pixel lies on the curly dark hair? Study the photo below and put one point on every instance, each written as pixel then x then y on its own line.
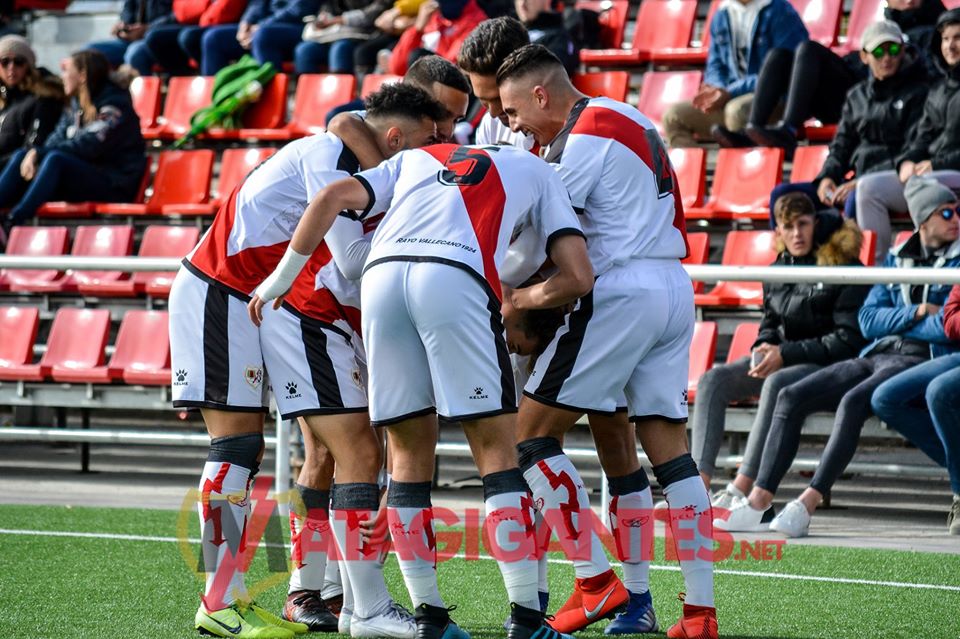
pixel 403 100
pixel 489 44
pixel 528 59
pixel 432 68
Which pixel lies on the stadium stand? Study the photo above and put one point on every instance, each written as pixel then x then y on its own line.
pixel 662 27
pixel 182 178
pixel 316 94
pixel 613 20
pixel 185 96
pixel 742 248
pixel 690 165
pixel 703 349
pixel 264 116
pixel 18 326
pixel 822 19
pixel 744 336
pixel 35 241
pixel 77 210
pixel 699 253
pixel 610 84
pixel 146 94
pixel 76 343
pixel 741 184
pixel 807 162
pixel 862 14
pixel 374 81
pixel 661 89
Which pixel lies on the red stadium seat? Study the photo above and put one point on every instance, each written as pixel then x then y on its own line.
pixel 703 348
pixel 816 131
pixel 862 15
pixel 696 53
pixel 661 89
pixel 613 19
pixel 741 184
pixel 610 84
pixel 141 354
pixel 263 117
pixel 235 164
pixel 39 241
pixel 742 248
pixel 699 253
pixel 868 248
pixel 951 4
pixel 690 166
pixel 822 19
pixel 183 178
pixel 158 241
pixel 145 92
pixel 18 332
pixel 90 241
pixel 316 95
pixel 73 210
pixel 744 335
pixel 185 96
pixel 661 26
pixel 373 81
pixel 807 162
pixel 901 237
pixel 75 345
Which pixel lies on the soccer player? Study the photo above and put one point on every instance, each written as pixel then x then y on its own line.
pixel 218 356
pixel 480 57
pixel 432 328
pixel 630 335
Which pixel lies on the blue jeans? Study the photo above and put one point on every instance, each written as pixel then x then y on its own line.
pixel 923 404
pixel 312 57
pixel 274 43
pixel 164 46
pixel 60 176
pixel 810 189
pixel 118 52
pixel 219 47
pixel 190 41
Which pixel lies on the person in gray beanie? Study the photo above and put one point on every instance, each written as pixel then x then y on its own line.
pixel 926 196
pixel 31 99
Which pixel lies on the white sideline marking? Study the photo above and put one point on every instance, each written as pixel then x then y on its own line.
pixel 719 571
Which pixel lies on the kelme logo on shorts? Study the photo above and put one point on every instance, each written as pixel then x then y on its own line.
pixel 181 377
pixel 478 393
pixel 292 390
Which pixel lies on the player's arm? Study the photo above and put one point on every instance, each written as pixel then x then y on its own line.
pixel 356 135
pixel 573 279
pixel 348 246
pixel 320 215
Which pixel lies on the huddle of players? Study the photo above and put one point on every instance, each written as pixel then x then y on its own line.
pixel 443 237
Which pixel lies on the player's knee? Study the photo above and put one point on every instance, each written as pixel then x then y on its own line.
pixel 240 450
pixel 537 449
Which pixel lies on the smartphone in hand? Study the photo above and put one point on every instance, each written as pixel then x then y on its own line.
pixel 755 358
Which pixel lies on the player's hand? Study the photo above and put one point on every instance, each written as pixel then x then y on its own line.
pixel 772 361
pixel 255 307
pixel 375 532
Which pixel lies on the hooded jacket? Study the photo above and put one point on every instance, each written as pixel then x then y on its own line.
pixel 112 141
pixel 918 24
pixel 879 117
pixel 30 116
pixel 890 309
pixel 938 134
pixel 816 323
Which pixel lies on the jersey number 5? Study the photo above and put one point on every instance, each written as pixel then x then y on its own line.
pixel 465 167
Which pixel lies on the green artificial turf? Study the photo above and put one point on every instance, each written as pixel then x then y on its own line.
pixel 56 586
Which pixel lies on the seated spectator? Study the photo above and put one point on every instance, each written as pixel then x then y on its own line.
pixel 934 149
pixel 923 403
pixel 269 29
pixel 441 27
pixel 338 28
pixel 733 61
pixel 906 328
pixel 137 18
pixel 814 82
pixel 96 152
pixel 31 99
pixel 389 26
pixel 879 116
pixel 168 43
pixel 804 328
pixel 545 25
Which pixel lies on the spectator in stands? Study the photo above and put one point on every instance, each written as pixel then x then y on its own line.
pixel 923 403
pixel 933 150
pixel 804 328
pixel 742 34
pixel 815 81
pixel 168 43
pixel 96 152
pixel 546 26
pixel 440 27
pixel 31 99
pixel 879 116
pixel 390 25
pixel 137 18
pixel 338 28
pixel 906 327
pixel 268 29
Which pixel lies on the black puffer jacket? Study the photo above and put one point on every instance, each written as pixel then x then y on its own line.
pixel 816 323
pixel 938 135
pixel 878 118
pixel 918 25
pixel 30 116
pixel 112 142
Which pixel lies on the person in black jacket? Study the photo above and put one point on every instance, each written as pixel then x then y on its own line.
pixel 31 99
pixel 804 328
pixel 96 153
pixel 934 149
pixel 547 26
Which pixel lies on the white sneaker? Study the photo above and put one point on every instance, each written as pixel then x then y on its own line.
pixel 744 518
pixel 724 498
pixel 396 621
pixel 343 621
pixel 793 520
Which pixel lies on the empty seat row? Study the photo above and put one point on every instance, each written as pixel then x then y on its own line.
pixel 95 241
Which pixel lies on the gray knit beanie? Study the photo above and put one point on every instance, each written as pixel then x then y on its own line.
pixel 924 195
pixel 18 46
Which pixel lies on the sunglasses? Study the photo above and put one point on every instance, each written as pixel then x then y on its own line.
pixel 948 213
pixel 892 49
pixel 16 61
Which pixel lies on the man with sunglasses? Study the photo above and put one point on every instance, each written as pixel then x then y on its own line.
pixel 905 324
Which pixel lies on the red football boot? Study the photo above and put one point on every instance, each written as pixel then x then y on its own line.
pixel 593 599
pixel 698 622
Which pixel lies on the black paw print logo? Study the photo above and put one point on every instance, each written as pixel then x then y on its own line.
pixel 291 388
pixel 478 390
pixel 181 375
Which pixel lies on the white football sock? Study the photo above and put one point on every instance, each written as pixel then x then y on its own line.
pixel 224 509
pixel 411 515
pixel 510 518
pixel 332 585
pixel 690 495
pixel 310 539
pixel 631 522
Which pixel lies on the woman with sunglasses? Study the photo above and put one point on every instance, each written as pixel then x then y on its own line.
pixel 96 152
pixel 31 99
